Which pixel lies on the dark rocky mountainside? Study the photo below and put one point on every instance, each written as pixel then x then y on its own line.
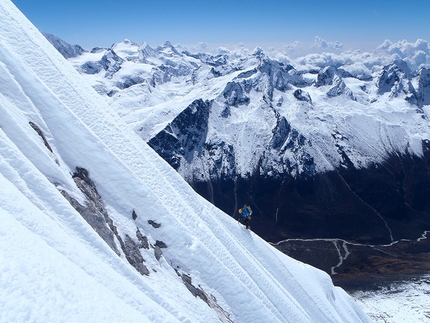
pixel 67 50
pixel 380 202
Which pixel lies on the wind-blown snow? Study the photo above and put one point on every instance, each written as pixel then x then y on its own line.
pixel 54 266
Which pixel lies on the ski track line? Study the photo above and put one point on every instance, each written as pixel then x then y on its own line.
pixel 281 279
pixel 270 285
pixel 157 181
pixel 96 239
pixel 199 229
pixel 247 259
pixel 205 235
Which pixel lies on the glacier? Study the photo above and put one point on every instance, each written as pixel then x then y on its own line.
pixel 63 149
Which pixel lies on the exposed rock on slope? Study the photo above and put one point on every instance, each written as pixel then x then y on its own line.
pixel 67 50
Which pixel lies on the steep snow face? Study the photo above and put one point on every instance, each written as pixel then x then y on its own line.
pixel 139 214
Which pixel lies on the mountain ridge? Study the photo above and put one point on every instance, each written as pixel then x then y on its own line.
pixel 266 126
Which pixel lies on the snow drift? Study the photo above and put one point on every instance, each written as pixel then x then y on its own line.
pixel 62 145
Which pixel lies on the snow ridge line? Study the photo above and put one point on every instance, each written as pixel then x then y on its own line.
pixel 295 289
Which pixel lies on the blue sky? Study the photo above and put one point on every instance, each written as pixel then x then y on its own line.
pixel 357 24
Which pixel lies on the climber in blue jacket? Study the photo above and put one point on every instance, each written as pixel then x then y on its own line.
pixel 245 215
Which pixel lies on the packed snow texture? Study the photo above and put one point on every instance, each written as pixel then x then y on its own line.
pixel 55 268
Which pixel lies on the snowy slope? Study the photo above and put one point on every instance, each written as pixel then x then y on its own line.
pixel 55 267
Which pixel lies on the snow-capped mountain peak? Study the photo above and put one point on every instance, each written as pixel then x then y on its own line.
pixel 146 51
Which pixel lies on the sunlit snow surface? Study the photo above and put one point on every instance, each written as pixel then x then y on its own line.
pixel 55 268
pixel 403 302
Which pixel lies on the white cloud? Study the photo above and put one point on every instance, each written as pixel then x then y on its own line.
pixel 323 53
pixel 357 69
pixel 203 45
pixel 415 54
pixel 200 47
pixel 221 51
pixel 321 44
pixel 355 62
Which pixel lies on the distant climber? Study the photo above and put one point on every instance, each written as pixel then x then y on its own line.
pixel 245 216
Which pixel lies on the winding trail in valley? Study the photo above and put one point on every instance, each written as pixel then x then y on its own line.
pixel 341 246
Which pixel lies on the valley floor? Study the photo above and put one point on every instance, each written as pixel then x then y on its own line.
pixel 391 283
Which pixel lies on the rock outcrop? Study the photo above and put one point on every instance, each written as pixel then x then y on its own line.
pixel 95 213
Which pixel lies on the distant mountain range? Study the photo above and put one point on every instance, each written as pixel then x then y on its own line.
pixel 323 146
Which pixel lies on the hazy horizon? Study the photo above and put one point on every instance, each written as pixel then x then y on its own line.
pixel 342 25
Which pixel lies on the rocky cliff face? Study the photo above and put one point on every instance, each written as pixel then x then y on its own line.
pixel 327 151
pixel 184 138
pixel 67 50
